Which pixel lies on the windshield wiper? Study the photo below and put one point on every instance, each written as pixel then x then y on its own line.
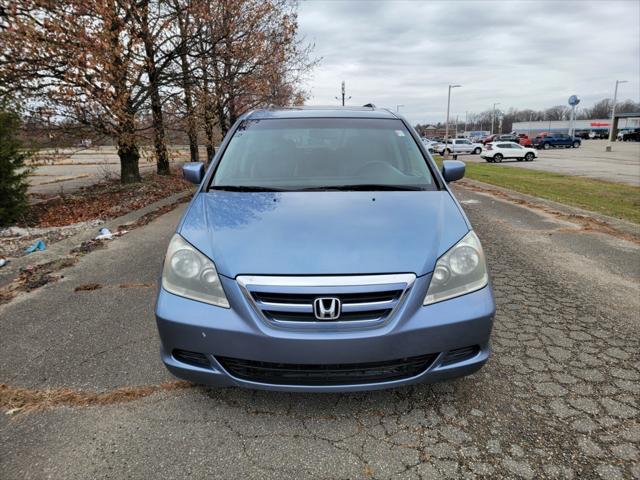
pixel 360 187
pixel 246 188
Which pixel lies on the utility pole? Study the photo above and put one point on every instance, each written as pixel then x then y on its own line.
pixel 613 115
pixel 398 108
pixel 493 116
pixel 343 94
pixel 446 126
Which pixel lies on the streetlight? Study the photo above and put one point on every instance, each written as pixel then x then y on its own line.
pixel 446 127
pixel 398 108
pixel 613 114
pixel 493 115
pixel 343 94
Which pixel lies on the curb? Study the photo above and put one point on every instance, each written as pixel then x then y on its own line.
pixel 61 248
pixel 621 226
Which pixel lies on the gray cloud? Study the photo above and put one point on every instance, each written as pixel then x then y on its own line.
pixel 521 54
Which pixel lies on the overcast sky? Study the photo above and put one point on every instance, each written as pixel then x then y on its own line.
pixel 521 54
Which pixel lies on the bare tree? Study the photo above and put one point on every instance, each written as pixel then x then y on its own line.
pixel 81 61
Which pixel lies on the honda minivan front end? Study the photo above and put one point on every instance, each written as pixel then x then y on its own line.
pixel 323 251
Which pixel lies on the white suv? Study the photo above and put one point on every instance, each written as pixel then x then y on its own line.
pixel 497 151
pixel 459 145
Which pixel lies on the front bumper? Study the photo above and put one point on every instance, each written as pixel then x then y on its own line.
pixel 239 332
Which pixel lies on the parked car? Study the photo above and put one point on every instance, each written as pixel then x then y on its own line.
pixel 548 140
pixel 429 144
pixel 488 139
pixel 524 140
pixel 458 146
pixel 506 137
pixel 307 265
pixel 631 135
pixel 498 151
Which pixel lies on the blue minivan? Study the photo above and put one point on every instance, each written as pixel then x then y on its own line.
pixel 323 251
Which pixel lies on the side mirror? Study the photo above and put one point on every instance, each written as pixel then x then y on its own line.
pixel 193 172
pixel 452 170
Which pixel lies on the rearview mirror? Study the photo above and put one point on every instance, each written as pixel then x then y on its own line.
pixel 452 170
pixel 193 172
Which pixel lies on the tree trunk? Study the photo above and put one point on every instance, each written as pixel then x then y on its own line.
pixel 128 150
pixel 129 158
pixel 162 157
pixel 192 130
pixel 209 129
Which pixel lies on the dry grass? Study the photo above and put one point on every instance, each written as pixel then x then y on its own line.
pixel 22 400
pixel 609 198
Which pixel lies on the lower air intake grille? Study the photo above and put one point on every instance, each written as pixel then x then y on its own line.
pixel 192 358
pixel 460 354
pixel 337 374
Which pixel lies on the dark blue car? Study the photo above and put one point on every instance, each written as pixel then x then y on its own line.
pixel 324 251
pixel 548 140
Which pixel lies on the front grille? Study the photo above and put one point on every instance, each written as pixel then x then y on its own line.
pixel 365 300
pixel 362 297
pixel 336 374
pixel 310 317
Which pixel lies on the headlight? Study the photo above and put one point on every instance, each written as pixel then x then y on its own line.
pixel 190 274
pixel 461 270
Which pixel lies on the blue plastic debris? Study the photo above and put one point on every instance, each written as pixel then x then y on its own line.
pixel 104 234
pixel 38 245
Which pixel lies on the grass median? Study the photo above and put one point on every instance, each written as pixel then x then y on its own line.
pixel 609 198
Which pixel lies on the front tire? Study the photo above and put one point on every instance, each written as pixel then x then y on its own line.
pixel 529 157
pixel 576 144
pixel 546 146
pixel 498 158
pixel 477 151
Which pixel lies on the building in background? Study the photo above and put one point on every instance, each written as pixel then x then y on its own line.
pixel 582 127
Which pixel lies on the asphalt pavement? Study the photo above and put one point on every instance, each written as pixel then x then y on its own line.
pixel 559 397
pixel 591 160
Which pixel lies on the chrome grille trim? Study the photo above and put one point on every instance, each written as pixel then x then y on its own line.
pixel 294 287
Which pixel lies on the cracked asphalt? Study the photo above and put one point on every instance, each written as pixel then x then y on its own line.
pixel 559 398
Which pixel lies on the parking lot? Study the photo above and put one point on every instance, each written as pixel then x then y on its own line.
pixel 557 399
pixel 590 160
pixel 66 170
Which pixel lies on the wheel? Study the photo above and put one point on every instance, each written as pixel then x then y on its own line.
pixel 529 157
pixel 489 160
pixel 477 151
pixel 447 151
pixel 546 146
pixel 576 144
pixel 498 157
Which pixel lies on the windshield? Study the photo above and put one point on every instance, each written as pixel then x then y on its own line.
pixel 322 153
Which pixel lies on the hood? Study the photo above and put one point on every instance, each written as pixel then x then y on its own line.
pixel 323 233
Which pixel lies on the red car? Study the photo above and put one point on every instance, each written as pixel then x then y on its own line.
pixel 488 139
pixel 524 140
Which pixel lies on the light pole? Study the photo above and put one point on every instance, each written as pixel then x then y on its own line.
pixel 466 120
pixel 343 94
pixel 613 114
pixel 493 115
pixel 398 108
pixel 446 126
